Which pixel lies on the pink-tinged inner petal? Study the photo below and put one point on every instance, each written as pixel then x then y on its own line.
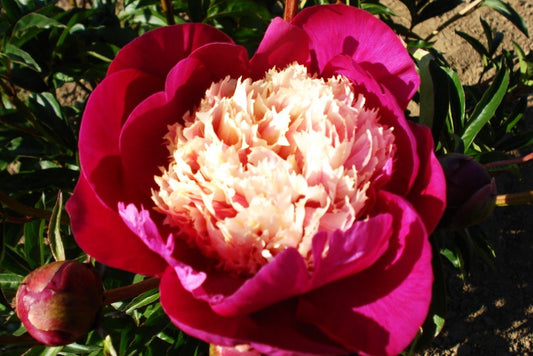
pixel 157 51
pixel 144 227
pixel 100 232
pixel 262 166
pixel 428 195
pixel 379 310
pixel 338 29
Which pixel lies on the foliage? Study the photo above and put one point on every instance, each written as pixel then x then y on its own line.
pixel 52 54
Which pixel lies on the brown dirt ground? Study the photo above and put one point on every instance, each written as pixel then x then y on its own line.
pixel 491 313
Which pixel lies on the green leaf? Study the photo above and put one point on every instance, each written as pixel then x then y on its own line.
pixel 22 57
pixel 487 30
pixel 34 242
pixel 453 257
pixel 457 97
pixel 377 9
pixel 526 67
pixel 486 107
pixel 426 91
pixel 10 280
pixel 143 300
pixel 474 42
pixel 30 25
pixel 109 350
pixel 509 12
pixel 54 230
pixel 515 116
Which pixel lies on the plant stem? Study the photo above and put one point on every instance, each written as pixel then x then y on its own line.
pixel 469 8
pixel 523 198
pixel 167 9
pixel 291 7
pixel 519 160
pixel 127 292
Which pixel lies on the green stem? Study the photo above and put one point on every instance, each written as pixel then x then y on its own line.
pixel 128 292
pixel 523 198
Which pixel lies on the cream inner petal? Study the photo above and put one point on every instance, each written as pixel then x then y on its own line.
pixel 264 165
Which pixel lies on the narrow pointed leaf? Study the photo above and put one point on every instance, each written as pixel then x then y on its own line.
pixel 509 12
pixel 474 43
pixel 54 230
pixel 486 108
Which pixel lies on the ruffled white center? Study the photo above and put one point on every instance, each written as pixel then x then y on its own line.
pixel 262 166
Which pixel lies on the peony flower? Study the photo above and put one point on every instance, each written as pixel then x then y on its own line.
pixel 284 199
pixel 60 302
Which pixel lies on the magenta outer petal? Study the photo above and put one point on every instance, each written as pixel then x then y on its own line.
pixel 379 310
pixel 157 51
pixel 352 251
pixel 428 195
pixel 276 325
pixel 142 146
pixel 346 30
pixel 282 45
pixel 349 252
pixel 270 285
pixel 223 59
pixel 108 107
pixel 100 232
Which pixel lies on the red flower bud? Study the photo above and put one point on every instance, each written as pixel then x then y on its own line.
pixel 60 302
pixel 470 191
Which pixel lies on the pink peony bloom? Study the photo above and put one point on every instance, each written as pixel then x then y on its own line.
pixel 284 199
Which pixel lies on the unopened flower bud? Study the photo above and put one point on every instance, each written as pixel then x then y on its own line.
pixel 60 302
pixel 470 191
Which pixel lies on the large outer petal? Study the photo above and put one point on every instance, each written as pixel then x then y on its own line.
pixel 340 29
pixel 142 146
pixel 107 109
pixel 428 194
pixel 337 255
pixel 349 252
pixel 157 51
pixel 379 310
pixel 275 325
pixel 101 233
pixel 282 45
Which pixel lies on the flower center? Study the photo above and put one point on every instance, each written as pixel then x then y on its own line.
pixel 264 165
